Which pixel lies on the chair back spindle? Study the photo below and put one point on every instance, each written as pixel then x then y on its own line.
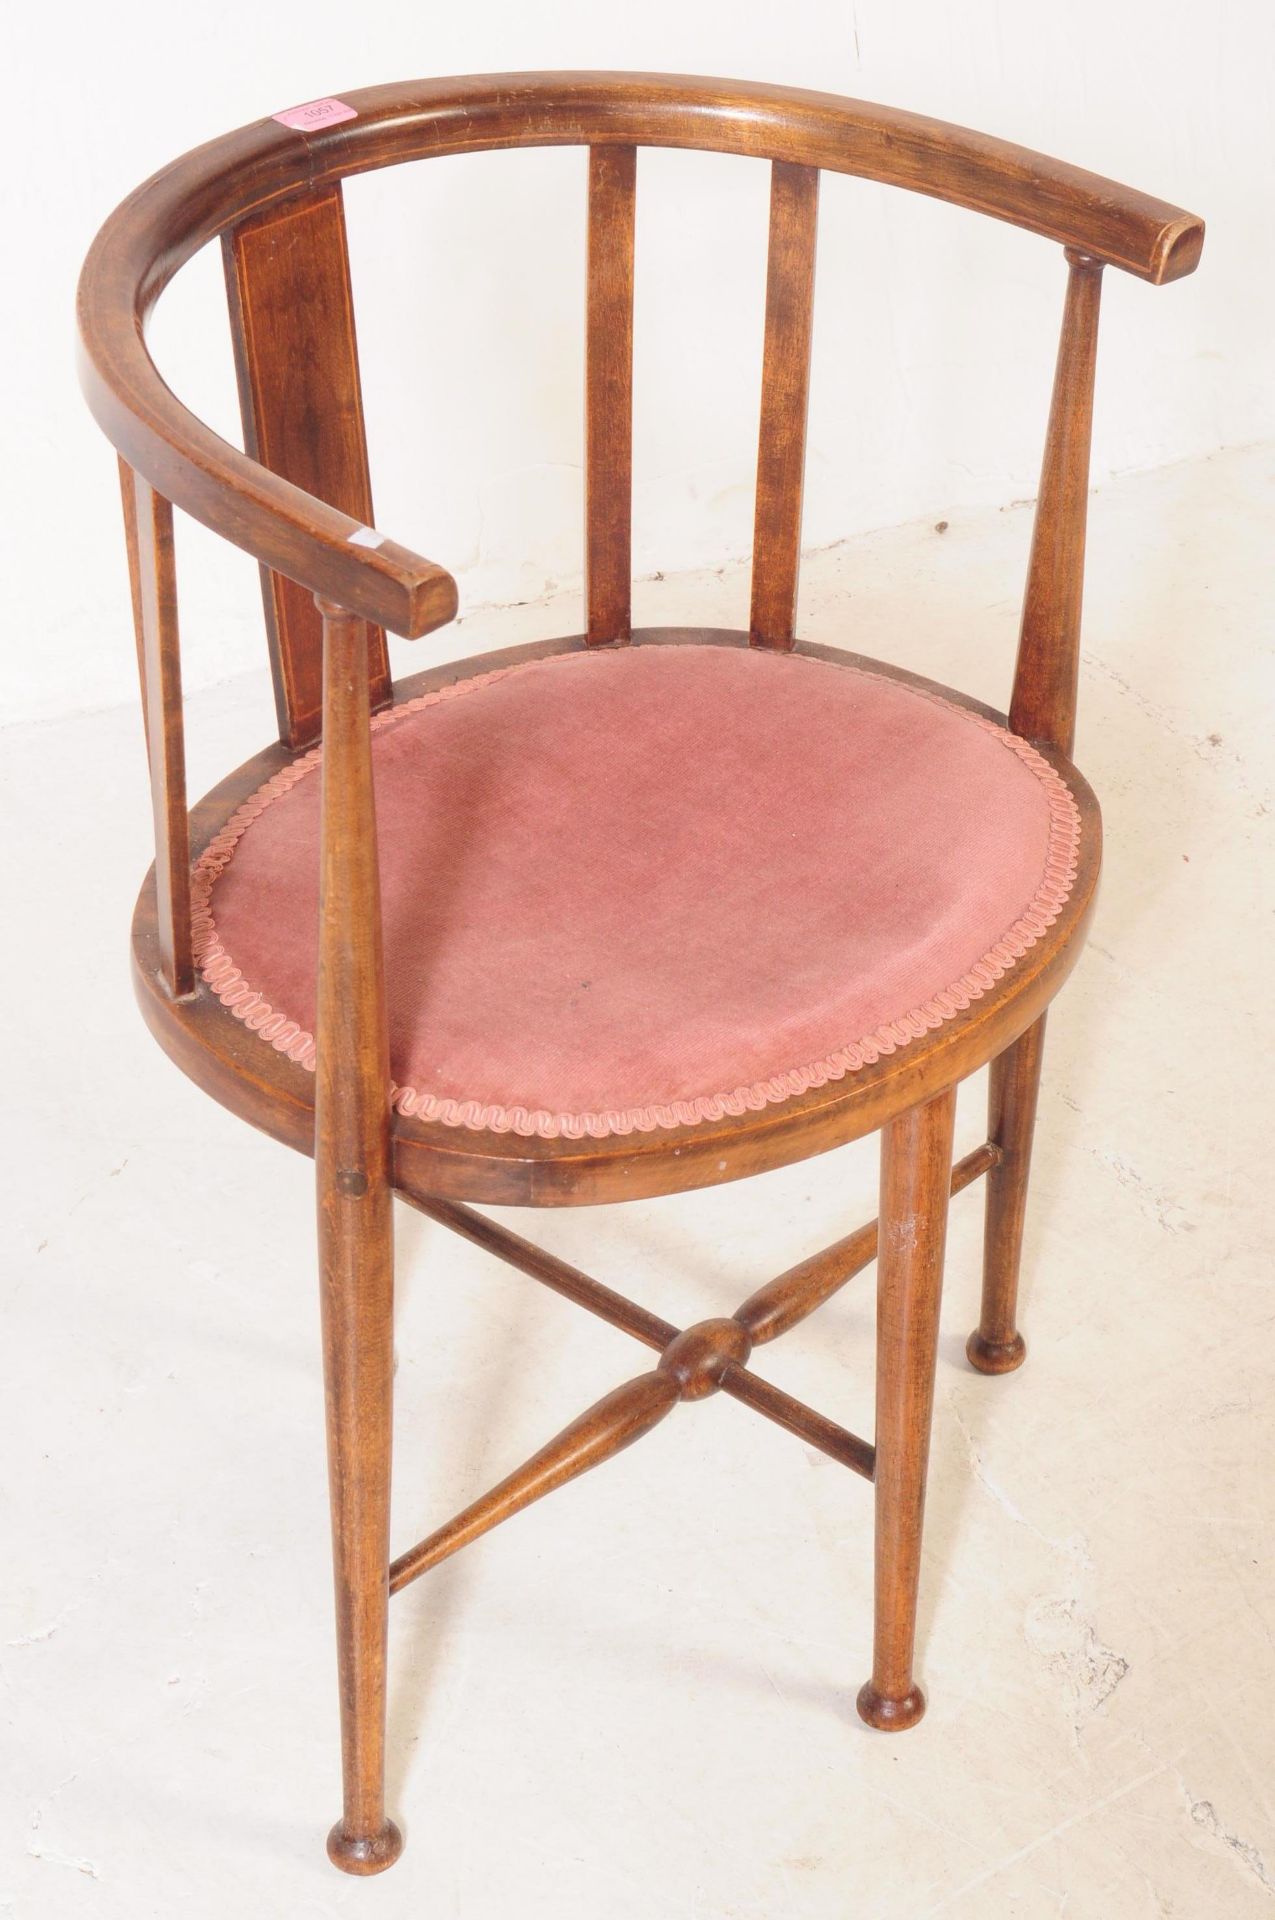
pixel 292 322
pixel 608 507
pixel 148 527
pixel 781 450
pixel 1046 676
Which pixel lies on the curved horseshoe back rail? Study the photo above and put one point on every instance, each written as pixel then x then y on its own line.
pixel 210 190
pixel 273 195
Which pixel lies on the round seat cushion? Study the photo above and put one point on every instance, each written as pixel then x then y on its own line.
pixel 649 886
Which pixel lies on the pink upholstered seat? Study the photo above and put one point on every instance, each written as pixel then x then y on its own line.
pixel 652 885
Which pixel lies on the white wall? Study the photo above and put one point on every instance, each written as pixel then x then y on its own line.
pixel 935 330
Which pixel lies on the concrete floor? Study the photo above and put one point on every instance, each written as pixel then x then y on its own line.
pixel 637 1700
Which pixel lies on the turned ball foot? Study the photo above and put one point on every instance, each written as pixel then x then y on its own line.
pixel 890 1716
pixel 368 1854
pixel 995 1356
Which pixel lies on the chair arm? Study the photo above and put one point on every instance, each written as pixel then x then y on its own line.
pixel 282 526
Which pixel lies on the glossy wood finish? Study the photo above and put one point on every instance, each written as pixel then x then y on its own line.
pixel 785 388
pixel 781 1304
pixel 148 529
pixel 614 1423
pixel 816 1429
pixel 705 1359
pixel 128 504
pixel 356 1239
pixel 558 1275
pixel 299 500
pixel 916 1153
pixel 199 197
pixel 784 1302
pixel 608 461
pixel 437 1161
pixel 1043 706
pixel 996 1345
pixel 296 358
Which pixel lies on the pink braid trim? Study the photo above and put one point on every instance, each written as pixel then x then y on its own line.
pixel 286 1036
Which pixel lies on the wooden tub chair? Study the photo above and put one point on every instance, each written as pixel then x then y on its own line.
pixel 651 910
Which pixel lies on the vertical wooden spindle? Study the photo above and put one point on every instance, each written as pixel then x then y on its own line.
pixel 996 1345
pixel 608 466
pixel 148 527
pixel 356 1249
pixel 1045 679
pixel 916 1160
pixel 128 501
pixel 1043 707
pixel 781 450
pixel 296 357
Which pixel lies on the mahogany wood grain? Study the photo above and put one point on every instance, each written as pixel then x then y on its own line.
pixel 784 1302
pixel 608 466
pixel 739 1383
pixel 296 500
pixel 771 1310
pixel 916 1154
pixel 296 358
pixel 705 1359
pixel 556 1274
pixel 648 1328
pixel 160 226
pixel 148 527
pixel 441 1162
pixel 996 1345
pixel 128 502
pixel 1043 706
pixel 785 388
pixel 356 1238
pixel 614 1423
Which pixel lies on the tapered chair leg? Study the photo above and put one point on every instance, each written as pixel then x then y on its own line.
pixel 996 1345
pixel 357 1288
pixel 916 1159
pixel 356 1244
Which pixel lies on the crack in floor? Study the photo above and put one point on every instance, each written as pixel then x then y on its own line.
pixel 1205 1815
pixel 52 1856
pixel 1069 1647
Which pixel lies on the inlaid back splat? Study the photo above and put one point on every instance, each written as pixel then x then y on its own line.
pixel 292 322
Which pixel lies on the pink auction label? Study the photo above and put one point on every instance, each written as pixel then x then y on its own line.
pixel 315 114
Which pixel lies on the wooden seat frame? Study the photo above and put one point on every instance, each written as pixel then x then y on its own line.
pixel 299 500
